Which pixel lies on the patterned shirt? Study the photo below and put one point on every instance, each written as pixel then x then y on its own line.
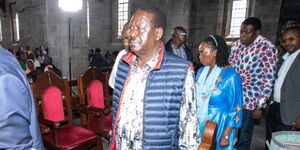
pixel 130 129
pixel 179 51
pixel 256 64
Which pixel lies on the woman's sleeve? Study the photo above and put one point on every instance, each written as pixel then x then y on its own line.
pixel 235 99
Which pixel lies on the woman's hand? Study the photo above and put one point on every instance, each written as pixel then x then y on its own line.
pixel 224 142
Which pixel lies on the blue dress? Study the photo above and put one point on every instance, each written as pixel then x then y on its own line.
pixel 225 104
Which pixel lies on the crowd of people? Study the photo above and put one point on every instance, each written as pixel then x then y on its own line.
pixel 160 103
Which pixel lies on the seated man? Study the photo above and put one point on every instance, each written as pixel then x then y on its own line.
pixel 18 123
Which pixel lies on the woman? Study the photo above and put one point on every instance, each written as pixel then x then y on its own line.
pixel 218 91
pixel 29 66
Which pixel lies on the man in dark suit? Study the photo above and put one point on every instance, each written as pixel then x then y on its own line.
pixel 177 45
pixel 18 122
pixel 284 111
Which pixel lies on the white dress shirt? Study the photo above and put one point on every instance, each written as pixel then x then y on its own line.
pixel 113 73
pixel 288 61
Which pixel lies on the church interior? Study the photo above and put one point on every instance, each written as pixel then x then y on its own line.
pixel 69 34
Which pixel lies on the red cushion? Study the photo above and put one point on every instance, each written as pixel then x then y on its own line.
pixel 107 122
pixel 70 135
pixel 95 94
pixel 53 106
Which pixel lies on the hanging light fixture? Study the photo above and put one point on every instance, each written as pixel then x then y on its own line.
pixel 70 5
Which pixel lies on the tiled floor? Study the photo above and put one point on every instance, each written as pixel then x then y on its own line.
pixel 258 138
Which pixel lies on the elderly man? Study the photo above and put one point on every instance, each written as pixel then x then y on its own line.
pixel 177 45
pixel 18 123
pixel 254 58
pixel 125 37
pixel 153 103
pixel 284 112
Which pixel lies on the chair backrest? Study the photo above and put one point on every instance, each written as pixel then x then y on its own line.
pixel 53 104
pixel 95 94
pixel 209 136
pixel 53 93
pixel 93 88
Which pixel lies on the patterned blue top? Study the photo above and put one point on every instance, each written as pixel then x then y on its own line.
pixel 225 104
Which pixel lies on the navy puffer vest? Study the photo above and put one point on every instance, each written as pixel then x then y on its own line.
pixel 162 101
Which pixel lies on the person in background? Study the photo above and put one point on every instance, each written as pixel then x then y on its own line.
pixel 125 37
pixel 218 92
pixel 29 66
pixel 254 58
pixel 28 50
pixel 99 61
pixel 91 56
pixel 47 65
pixel 19 127
pixel 284 110
pixel 22 60
pixel 177 45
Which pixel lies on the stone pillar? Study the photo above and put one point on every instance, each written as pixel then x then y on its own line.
pixel 67 39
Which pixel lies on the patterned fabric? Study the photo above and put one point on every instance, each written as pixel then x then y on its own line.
pixel 256 64
pixel 179 51
pixel 225 103
pixel 130 129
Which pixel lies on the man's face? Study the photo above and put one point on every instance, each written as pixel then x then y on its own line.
pixel 291 41
pixel 248 34
pixel 47 61
pixel 125 37
pixel 142 32
pixel 181 36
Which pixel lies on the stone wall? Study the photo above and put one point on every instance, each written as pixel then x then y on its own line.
pixel 31 20
pixel 43 23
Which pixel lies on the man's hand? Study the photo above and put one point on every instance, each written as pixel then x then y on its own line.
pixel 296 124
pixel 257 113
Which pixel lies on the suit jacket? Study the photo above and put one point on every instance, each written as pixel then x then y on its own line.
pixel 290 94
pixel 18 122
pixel 188 51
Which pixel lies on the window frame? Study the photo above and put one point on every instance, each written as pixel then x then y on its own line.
pixel 227 15
pixel 88 19
pixel 124 14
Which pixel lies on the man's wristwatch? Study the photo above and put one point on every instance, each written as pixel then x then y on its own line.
pixel 226 137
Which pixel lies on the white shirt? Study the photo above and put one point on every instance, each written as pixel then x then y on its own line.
pixel 113 73
pixel 288 61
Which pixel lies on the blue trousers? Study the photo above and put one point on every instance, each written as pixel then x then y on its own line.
pixel 245 132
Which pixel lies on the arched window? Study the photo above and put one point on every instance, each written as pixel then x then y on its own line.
pixel 1 38
pixel 16 29
pixel 88 19
pixel 238 15
pixel 122 15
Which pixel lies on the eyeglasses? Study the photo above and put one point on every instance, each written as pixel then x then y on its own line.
pixel 182 34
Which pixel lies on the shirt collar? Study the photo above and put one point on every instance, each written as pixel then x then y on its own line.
pixel 182 46
pixel 154 62
pixel 258 39
pixel 287 55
